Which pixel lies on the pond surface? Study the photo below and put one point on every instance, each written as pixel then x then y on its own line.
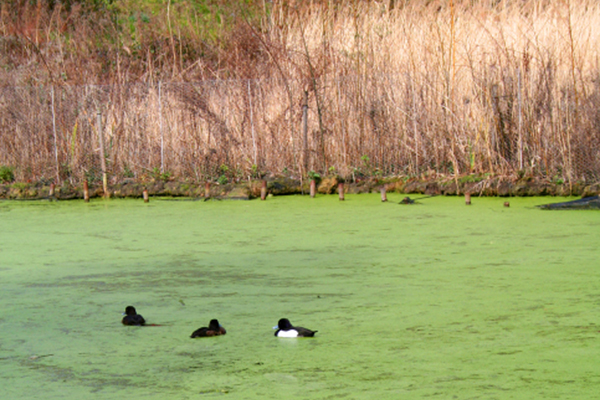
pixel 436 299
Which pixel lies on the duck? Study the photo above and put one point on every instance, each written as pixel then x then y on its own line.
pixel 131 317
pixel 286 330
pixel 214 329
pixel 407 200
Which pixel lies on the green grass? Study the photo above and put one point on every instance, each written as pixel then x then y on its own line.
pixel 6 174
pixel 435 299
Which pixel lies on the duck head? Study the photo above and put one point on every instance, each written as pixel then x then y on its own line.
pixel 284 324
pixel 130 310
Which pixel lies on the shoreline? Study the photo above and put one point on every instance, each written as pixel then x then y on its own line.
pixel 281 186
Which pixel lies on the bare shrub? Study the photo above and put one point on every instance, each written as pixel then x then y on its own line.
pixel 498 87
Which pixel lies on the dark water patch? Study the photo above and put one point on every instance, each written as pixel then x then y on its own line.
pixel 89 379
pixel 169 276
pixel 509 352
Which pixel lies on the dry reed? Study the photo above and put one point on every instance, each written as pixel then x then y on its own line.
pixel 428 87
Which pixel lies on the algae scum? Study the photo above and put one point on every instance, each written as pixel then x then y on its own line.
pixel 411 301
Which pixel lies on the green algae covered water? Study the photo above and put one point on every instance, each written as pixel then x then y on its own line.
pixel 435 299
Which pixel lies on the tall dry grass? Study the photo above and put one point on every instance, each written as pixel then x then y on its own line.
pixel 447 87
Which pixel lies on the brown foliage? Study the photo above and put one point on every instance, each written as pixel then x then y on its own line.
pixel 459 88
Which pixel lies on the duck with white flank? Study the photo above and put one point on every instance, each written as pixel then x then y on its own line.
pixel 286 330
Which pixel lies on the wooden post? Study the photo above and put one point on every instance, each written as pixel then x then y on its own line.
pixel 160 128
pixel 313 188
pixel 102 156
pixel 55 138
pixel 51 193
pixel 145 196
pixel 206 190
pixel 252 125
pixel 86 192
pixel 468 199
pixel 520 120
pixel 305 153
pixel 263 190
pixel 383 194
pixel 341 190
pixel 497 142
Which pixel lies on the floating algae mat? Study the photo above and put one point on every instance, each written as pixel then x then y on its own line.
pixel 435 299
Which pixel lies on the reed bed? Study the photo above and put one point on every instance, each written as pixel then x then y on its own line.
pixel 410 88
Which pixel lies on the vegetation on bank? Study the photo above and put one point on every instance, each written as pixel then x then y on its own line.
pixel 225 91
pixel 282 185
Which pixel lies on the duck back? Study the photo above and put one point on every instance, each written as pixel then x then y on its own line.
pixel 214 329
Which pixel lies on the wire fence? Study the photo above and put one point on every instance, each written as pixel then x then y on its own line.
pixel 509 123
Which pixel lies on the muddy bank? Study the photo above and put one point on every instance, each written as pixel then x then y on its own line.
pixel 279 186
pixel 587 203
